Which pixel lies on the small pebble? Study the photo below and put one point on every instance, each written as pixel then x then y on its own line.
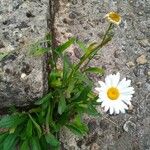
pixel 129 126
pixel 141 60
pixel 130 64
pixel 23 75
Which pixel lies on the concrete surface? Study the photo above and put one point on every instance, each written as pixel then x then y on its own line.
pixel 128 53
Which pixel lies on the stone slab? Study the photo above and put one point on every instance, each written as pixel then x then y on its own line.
pixel 23 78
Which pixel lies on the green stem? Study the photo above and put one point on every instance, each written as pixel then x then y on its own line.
pixel 85 56
pixel 98 47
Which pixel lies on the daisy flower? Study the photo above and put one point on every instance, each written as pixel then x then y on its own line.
pixel 115 95
pixel 113 17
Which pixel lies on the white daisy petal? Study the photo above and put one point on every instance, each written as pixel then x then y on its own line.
pixel 124 106
pixel 117 110
pixel 115 95
pixel 123 111
pixel 128 90
pixel 102 84
pixel 108 80
pixel 126 98
pixel 124 83
pixel 111 110
pixel 106 108
pixel 127 102
pixel 97 89
pixel 103 104
pixel 115 79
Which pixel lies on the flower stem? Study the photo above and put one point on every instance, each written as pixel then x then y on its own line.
pixel 98 47
pixel 90 55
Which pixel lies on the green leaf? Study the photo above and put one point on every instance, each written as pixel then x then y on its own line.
pixel 91 110
pixel 43 143
pixel 74 129
pixel 56 83
pixel 54 75
pixel 34 142
pixel 64 118
pixel 29 129
pixel 61 105
pixel 83 78
pixel 11 121
pixel 78 130
pixel 78 127
pixel 70 88
pixel 39 131
pixel 64 46
pixel 2 137
pixel 25 145
pixel 48 117
pixel 48 39
pixel 9 142
pixel 83 95
pixel 95 70
pixel 44 99
pixel 81 45
pixel 91 48
pixel 66 68
pixel 51 139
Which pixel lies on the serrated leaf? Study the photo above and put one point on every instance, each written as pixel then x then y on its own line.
pixel 38 128
pixel 61 105
pixel 25 146
pixel 64 46
pixel 95 70
pixel 35 143
pixel 9 142
pixel 11 121
pixel 44 99
pixel 51 139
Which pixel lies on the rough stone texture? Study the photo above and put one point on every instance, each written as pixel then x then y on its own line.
pixel 128 53
pixel 22 77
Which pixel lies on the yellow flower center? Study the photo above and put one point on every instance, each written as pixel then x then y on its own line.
pixel 113 93
pixel 114 16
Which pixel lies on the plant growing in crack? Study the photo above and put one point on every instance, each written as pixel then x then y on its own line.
pixel 70 95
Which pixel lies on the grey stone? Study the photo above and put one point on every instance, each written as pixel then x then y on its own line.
pixel 22 76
